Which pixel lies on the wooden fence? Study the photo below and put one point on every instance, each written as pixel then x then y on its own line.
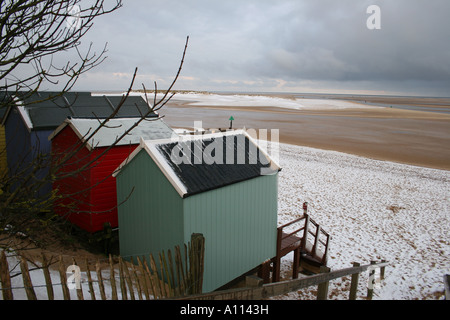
pixel 278 288
pixel 134 278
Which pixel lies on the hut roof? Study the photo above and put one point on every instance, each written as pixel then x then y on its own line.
pixel 199 163
pixel 47 110
pixel 149 128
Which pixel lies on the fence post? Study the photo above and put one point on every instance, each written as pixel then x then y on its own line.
pixel 447 286
pixel 144 277
pixel 113 280
pixel 62 275
pixel 80 290
pixel 371 281
pixel 322 291
pixel 88 271
pixel 165 273
pixel 31 295
pixel 100 280
pixel 154 284
pixel 175 283
pixel 5 278
pixel 180 271
pixel 137 279
pixel 354 283
pixel 197 259
pixel 382 270
pixel 167 288
pixel 123 288
pixel 48 280
pixel 128 279
pixel 160 286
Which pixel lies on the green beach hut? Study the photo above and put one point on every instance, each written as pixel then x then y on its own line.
pixel 220 185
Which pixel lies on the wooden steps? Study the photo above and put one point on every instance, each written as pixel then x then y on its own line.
pixel 308 241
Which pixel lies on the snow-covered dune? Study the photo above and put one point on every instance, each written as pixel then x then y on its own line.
pixel 243 100
pixel 254 100
pixel 374 210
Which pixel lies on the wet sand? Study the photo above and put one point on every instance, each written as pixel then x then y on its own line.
pixel 413 137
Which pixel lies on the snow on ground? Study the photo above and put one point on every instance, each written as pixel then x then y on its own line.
pixel 242 100
pixel 374 210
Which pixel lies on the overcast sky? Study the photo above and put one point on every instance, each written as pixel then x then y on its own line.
pixel 278 46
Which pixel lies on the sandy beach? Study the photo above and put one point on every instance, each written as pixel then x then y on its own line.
pixel 375 130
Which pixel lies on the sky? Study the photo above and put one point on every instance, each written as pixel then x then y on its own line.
pixel 302 46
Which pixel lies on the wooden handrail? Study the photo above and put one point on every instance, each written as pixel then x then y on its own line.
pixel 291 222
pixel 283 287
pixel 304 237
pixel 286 235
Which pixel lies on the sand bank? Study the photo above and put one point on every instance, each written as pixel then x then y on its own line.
pixel 414 137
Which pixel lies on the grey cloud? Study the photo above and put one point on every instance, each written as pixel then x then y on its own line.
pixel 255 42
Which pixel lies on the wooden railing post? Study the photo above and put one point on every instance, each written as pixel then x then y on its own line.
pixel 354 283
pixel 277 259
pixel 316 241
pixel 305 232
pixel 322 290
pixel 296 264
pixel 325 253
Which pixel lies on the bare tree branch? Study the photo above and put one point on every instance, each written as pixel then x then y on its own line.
pixel 34 36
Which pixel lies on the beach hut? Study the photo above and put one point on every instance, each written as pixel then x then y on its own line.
pixel 220 185
pixel 33 117
pixel 89 191
pixel 3 163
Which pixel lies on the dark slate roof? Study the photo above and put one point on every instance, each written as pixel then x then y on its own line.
pixel 44 113
pixel 238 158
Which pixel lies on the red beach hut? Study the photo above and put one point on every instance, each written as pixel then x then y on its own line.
pixel 89 194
